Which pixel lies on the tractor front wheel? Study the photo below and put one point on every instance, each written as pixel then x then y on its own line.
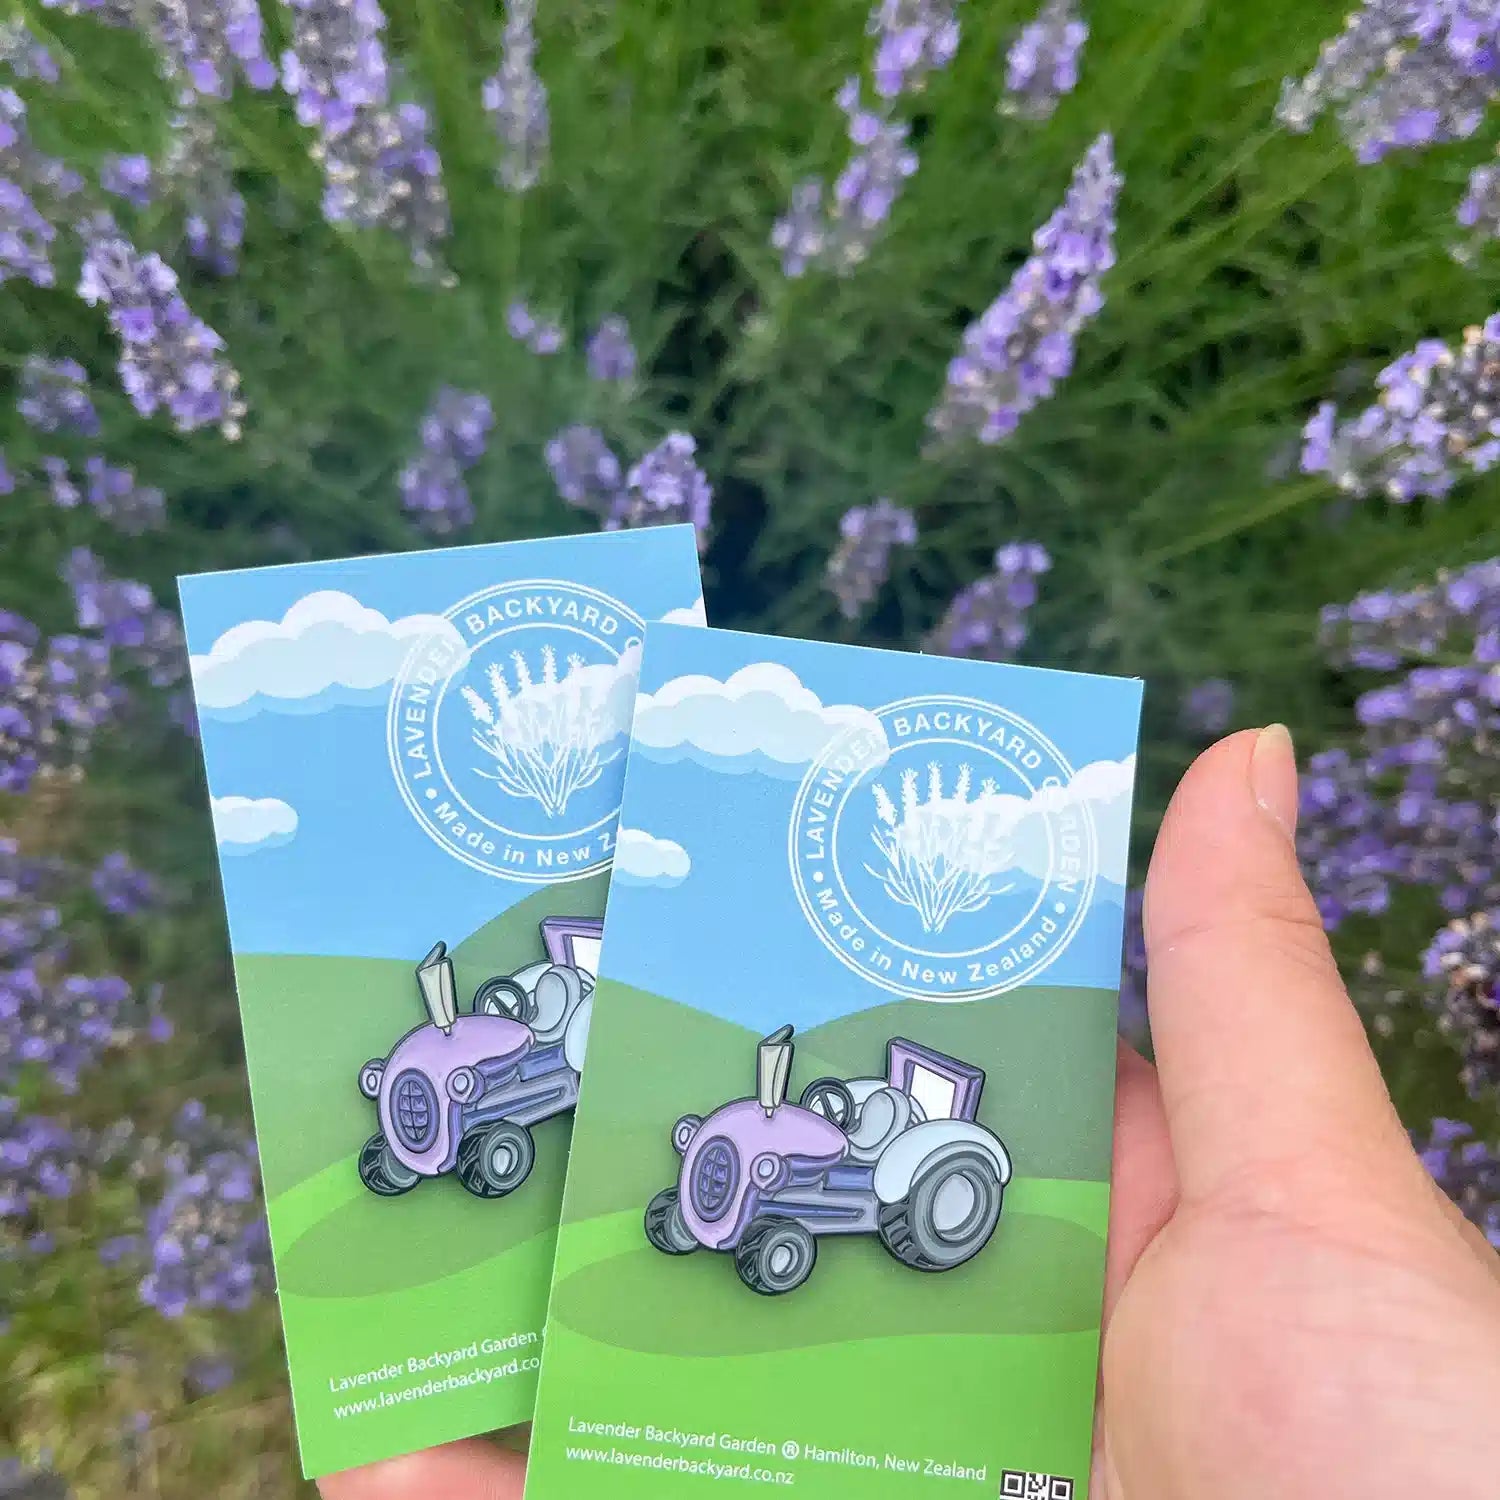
pixel 381 1172
pixel 775 1256
pixel 495 1160
pixel 948 1215
pixel 665 1227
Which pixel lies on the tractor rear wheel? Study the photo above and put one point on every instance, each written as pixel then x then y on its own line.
pixel 381 1172
pixel 496 1159
pixel 665 1227
pixel 775 1256
pixel 948 1215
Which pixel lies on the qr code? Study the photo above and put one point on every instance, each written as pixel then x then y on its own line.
pixel 1017 1484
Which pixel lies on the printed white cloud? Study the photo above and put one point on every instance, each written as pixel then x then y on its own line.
pixel 692 614
pixel 326 647
pixel 760 718
pixel 1103 786
pixel 643 859
pixel 246 825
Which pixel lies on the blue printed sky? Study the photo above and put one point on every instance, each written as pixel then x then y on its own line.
pixel 703 909
pixel 293 668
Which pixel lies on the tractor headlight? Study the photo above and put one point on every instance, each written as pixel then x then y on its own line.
pixel 766 1170
pixel 370 1076
pixel 463 1084
pixel 684 1131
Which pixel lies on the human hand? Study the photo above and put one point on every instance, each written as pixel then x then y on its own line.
pixel 469 1470
pixel 1293 1310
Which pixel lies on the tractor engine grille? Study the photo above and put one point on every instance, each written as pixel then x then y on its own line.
pixel 414 1110
pixel 716 1175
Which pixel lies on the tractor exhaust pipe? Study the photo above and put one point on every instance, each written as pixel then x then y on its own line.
pixel 773 1070
pixel 439 994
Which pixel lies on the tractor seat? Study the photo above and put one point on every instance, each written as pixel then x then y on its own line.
pixel 557 993
pixel 882 1117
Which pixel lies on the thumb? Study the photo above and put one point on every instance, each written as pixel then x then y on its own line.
pixel 469 1470
pixel 1263 1061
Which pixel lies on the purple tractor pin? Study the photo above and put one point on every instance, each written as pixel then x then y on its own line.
pixel 460 1093
pixel 902 1157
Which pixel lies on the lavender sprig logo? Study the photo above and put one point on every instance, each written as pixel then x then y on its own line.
pixel 946 855
pixel 546 735
pixel 943 848
pixel 507 733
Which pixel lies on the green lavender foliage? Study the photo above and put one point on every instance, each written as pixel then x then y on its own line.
pixel 1258 273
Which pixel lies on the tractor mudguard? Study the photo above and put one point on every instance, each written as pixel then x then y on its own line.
pixel 901 1160
pixel 576 1037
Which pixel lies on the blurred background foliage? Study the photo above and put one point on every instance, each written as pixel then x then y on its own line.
pixel 1258 273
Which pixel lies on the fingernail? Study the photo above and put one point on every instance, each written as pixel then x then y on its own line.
pixel 1273 776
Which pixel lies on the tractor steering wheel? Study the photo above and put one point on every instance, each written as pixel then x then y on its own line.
pixel 834 1097
pixel 503 996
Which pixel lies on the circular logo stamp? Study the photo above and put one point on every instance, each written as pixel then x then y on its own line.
pixel 505 733
pixel 937 852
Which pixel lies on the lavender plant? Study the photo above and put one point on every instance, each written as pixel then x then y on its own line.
pixel 1463 967
pixel 53 396
pixel 125 616
pixel 127 177
pixel 1041 64
pixel 1435 420
pixel 913 38
pixel 453 433
pixel 1022 345
pixel 515 99
pixel 111 492
pixel 197 170
pixel 987 618
pixel 121 887
pixel 35 190
pixel 1208 707
pixel 861 563
pixel 548 736
pixel 542 335
pixel 54 698
pixel 1467 1170
pixel 609 352
pixel 585 470
pixel 24 55
pixel 943 856
pixel 169 359
pixel 204 44
pixel 666 486
pixel 380 169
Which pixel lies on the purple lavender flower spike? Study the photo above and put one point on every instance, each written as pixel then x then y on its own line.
pixel 1467 1170
pixel 1463 969
pixel 1041 65
pixel 169 359
pixel 1479 213
pixel 913 38
pixel 1208 707
pixel 208 1243
pixel 861 563
pixel 1436 419
pixel 121 887
pixel 988 619
pixel 54 396
pixel 380 169
pixel 454 431
pixel 54 697
pixel 127 177
pixel 204 43
pixel 126 617
pixel 835 231
pixel 666 486
pixel 37 1163
pixel 586 471
pixel 515 99
pixel 110 491
pixel 198 170
pixel 24 55
pixel 609 352
pixel 35 190
pixel 7 477
pixel 1014 354
pixel 1403 74
pixel 540 334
